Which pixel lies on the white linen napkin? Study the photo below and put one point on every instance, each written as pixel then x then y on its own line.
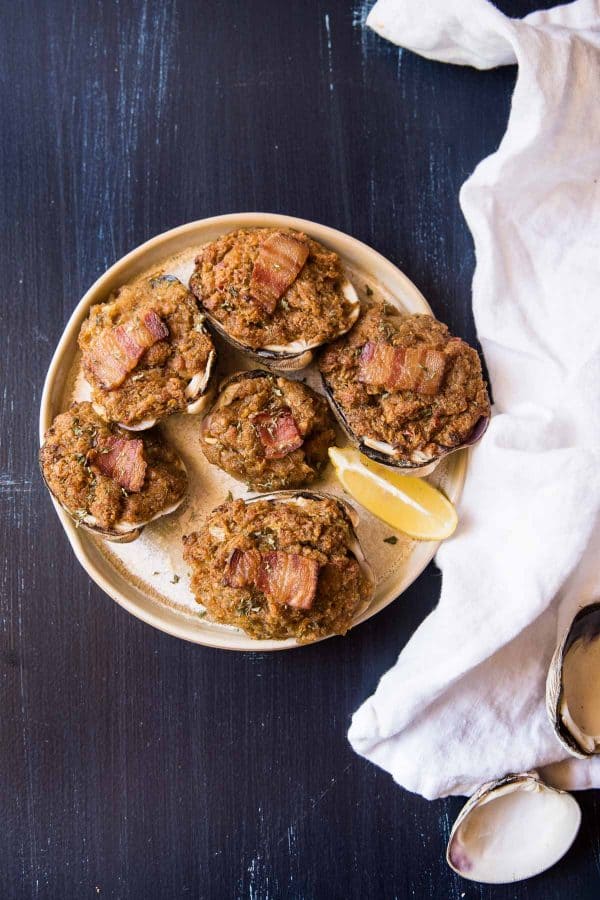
pixel 465 701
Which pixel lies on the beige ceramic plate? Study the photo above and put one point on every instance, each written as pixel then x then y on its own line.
pixel 148 577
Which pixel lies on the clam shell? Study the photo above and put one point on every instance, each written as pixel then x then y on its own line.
pixel 123 532
pixel 198 390
pixel 512 829
pixel 384 453
pixel 572 681
pixel 421 464
pixel 295 355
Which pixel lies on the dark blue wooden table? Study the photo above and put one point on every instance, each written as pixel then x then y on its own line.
pixel 134 765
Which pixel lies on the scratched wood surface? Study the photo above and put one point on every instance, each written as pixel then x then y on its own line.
pixel 134 765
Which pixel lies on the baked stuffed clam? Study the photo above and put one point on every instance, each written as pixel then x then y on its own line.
pixel 405 391
pixel 284 565
pixel 109 481
pixel 147 353
pixel 268 431
pixel 274 294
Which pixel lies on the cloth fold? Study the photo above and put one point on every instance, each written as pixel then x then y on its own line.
pixel 465 701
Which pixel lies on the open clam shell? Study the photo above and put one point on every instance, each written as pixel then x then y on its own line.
pixel 123 531
pixel 348 512
pixel 295 355
pixel 572 697
pixel 512 829
pixel 379 451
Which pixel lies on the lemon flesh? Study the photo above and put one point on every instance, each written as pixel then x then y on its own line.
pixel 404 502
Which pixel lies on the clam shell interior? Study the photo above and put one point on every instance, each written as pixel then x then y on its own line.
pixel 512 829
pixel 572 689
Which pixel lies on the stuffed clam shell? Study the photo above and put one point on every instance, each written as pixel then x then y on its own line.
pixel 268 431
pixel 405 391
pixel 109 481
pixel 147 353
pixel 275 294
pixel 283 565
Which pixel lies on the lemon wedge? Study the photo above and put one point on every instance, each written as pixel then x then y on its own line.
pixel 404 502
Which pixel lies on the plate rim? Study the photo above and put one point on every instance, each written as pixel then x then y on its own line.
pixel 165 618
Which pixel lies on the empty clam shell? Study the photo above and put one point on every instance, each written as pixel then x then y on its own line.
pixel 572 697
pixel 512 829
pixel 295 355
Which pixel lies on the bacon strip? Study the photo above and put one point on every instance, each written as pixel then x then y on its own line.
pixel 280 259
pixel 242 569
pixel 285 578
pixel 122 460
pixel 155 325
pixel 117 351
pixel 419 369
pixel 288 579
pixel 277 432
